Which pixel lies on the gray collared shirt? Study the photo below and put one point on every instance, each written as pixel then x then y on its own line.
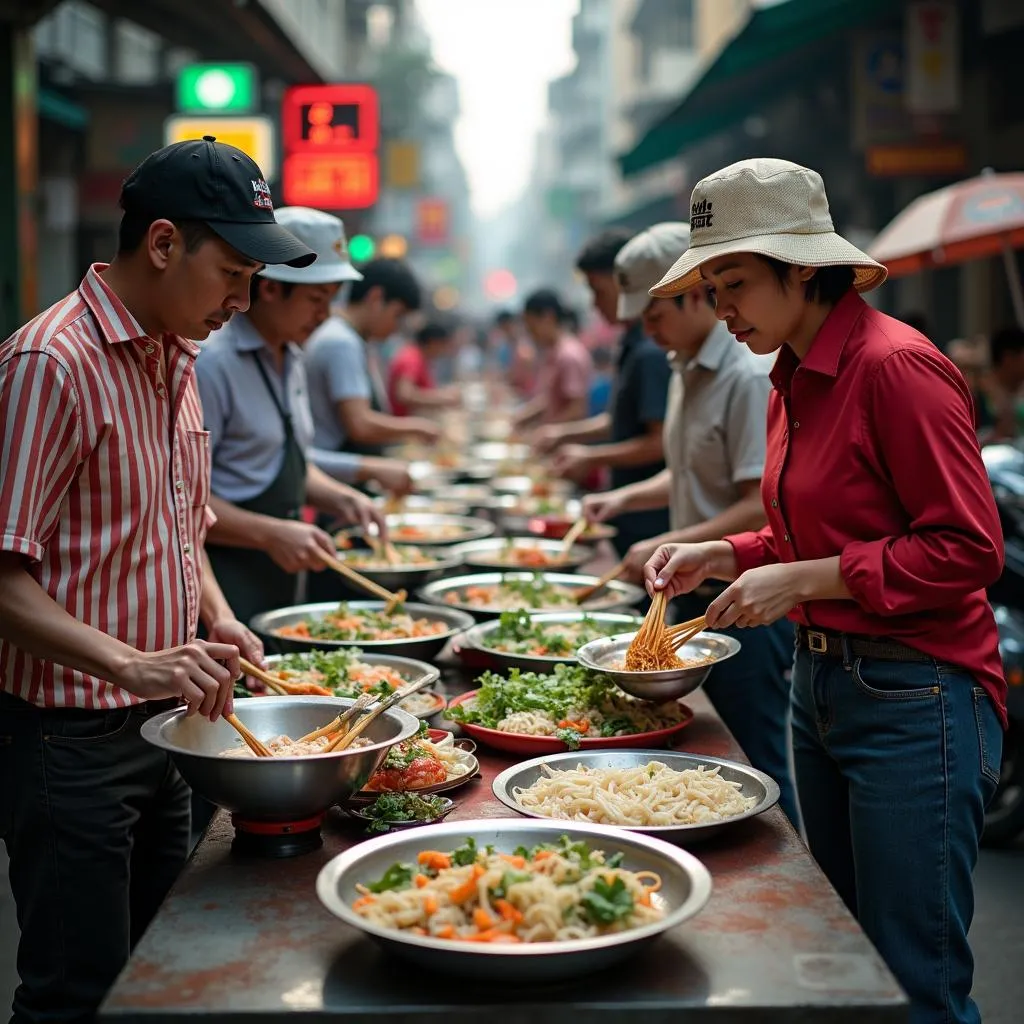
pixel 246 432
pixel 715 426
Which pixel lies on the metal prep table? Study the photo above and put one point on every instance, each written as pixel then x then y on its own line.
pixel 247 940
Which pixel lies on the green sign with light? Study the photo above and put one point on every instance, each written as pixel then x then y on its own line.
pixel 361 248
pixel 217 88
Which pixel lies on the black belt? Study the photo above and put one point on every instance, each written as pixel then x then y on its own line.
pixel 842 645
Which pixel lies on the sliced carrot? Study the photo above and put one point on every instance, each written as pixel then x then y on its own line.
pixel 507 911
pixel 447 932
pixel 482 919
pixel 463 892
pixel 434 859
pixel 364 901
pixel 493 935
pixel 430 906
pixel 543 855
pixel 418 931
pixel 513 859
pixel 645 900
pixel 420 881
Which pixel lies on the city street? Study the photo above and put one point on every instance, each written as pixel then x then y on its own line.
pixel 997 935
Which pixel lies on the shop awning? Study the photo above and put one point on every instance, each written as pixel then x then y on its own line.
pixel 736 82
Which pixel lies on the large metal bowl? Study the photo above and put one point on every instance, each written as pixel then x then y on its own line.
pixel 421 647
pixel 487 554
pixel 685 889
pixel 401 577
pixel 275 788
pixel 614 596
pixel 707 649
pixel 761 787
pixel 470 528
pixel 432 503
pixel 409 669
pixel 479 637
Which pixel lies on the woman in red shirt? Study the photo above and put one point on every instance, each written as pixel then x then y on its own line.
pixel 882 537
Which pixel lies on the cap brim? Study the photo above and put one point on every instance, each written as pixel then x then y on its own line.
pixel 631 305
pixel 826 249
pixel 267 243
pixel 317 273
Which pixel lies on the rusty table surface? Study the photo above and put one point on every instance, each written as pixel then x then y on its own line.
pixel 248 940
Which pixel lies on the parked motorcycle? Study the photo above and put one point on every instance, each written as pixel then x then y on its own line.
pixel 1004 819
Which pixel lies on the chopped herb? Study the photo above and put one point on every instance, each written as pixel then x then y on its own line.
pixel 465 854
pixel 608 902
pixel 391 807
pixel 398 876
pixel 508 879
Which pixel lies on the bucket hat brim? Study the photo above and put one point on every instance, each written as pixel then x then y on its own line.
pixel 818 249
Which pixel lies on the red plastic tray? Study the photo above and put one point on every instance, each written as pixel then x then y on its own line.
pixel 520 743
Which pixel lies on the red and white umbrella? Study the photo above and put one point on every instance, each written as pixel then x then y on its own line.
pixel 970 220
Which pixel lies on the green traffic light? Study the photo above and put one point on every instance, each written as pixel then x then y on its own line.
pixel 361 248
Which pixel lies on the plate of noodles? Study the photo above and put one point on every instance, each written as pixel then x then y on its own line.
pixel 569 708
pixel 669 794
pixel 411 629
pixel 410 565
pixel 697 657
pixel 514 900
pixel 522 553
pixel 349 672
pixel 426 528
pixel 539 641
pixel 487 595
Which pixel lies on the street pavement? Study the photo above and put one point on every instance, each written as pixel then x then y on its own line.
pixel 997 936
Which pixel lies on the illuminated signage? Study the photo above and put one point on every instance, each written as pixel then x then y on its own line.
pixel 330 181
pixel 432 221
pixel 221 88
pixel 252 135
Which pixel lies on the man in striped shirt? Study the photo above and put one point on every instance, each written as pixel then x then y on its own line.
pixel 104 483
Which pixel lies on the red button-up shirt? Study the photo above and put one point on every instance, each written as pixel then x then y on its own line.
pixel 872 456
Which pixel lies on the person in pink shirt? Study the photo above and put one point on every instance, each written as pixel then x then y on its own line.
pixel 566 367
pixel 412 388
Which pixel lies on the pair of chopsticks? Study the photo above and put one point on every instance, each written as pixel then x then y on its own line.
pixel 386 551
pixel 392 599
pixel 258 747
pixel 685 631
pixel 586 593
pixel 282 687
pixel 574 534
pixel 344 735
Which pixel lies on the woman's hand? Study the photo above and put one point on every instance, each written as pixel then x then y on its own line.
pixel 759 597
pixel 681 568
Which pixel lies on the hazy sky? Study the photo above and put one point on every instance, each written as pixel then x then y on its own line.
pixel 504 53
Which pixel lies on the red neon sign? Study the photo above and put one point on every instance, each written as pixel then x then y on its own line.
pixel 331 181
pixel 341 118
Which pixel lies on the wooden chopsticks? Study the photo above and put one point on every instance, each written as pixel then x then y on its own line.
pixel 586 593
pixel 341 722
pixel 685 631
pixel 574 534
pixel 368 585
pixel 259 748
pixel 347 738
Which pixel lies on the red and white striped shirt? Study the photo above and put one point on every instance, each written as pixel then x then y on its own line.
pixel 104 483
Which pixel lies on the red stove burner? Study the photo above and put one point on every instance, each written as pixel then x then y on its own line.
pixel 276 839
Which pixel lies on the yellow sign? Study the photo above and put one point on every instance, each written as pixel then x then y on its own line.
pixel 403 164
pixel 252 135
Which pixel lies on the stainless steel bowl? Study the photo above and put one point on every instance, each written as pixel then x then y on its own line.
pixel 763 788
pixel 423 647
pixel 470 528
pixel 409 669
pixel 614 596
pixel 527 487
pixel 407 577
pixel 487 554
pixel 480 635
pixel 685 889
pixel 274 788
pixel 437 503
pixel 708 649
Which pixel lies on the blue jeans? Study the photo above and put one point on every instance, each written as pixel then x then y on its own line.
pixel 895 762
pixel 751 693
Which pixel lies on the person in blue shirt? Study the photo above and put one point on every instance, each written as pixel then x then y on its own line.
pixel 601 387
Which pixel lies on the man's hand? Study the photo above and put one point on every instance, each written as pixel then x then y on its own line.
pixel 423 430
pixel 637 557
pixel 202 673
pixel 547 438
pixel 353 507
pixel 237 634
pixel 573 461
pixel 759 597
pixel 599 508
pixel 392 475
pixel 296 546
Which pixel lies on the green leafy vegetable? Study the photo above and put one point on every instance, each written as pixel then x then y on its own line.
pixel 607 902
pixel 392 807
pixel 508 879
pixel 465 854
pixel 398 876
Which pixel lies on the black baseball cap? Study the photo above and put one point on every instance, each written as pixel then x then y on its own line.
pixel 219 185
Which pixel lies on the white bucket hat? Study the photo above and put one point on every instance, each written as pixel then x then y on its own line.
pixel 643 261
pixel 325 235
pixel 769 207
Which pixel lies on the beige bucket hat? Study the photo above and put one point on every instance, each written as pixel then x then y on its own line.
pixel 769 207
pixel 642 262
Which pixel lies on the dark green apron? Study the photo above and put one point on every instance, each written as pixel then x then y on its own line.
pixel 251 580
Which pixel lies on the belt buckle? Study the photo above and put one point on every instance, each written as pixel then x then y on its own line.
pixel 817 643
